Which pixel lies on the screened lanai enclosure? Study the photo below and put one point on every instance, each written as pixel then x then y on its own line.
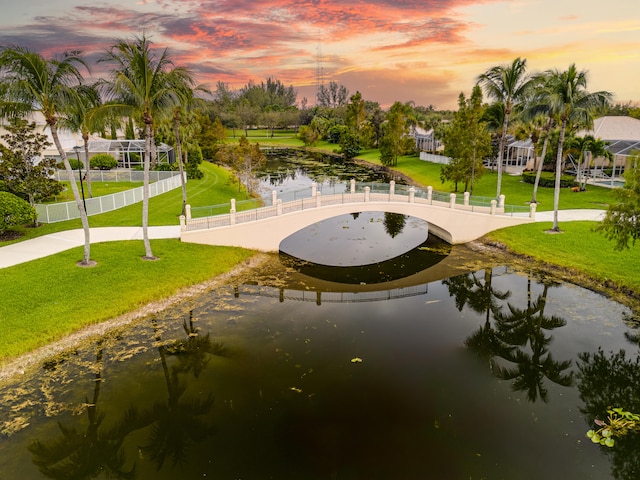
pixel 128 153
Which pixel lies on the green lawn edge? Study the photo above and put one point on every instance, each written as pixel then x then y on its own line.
pixel 47 299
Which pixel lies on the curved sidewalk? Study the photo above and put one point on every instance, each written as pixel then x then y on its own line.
pixel 571 215
pixel 53 243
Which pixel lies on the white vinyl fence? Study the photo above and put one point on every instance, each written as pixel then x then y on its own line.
pixel 59 212
pixel 117 175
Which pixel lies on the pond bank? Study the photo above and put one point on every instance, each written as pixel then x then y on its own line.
pixel 31 360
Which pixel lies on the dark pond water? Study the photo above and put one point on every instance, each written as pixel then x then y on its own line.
pixel 436 363
pixel 291 170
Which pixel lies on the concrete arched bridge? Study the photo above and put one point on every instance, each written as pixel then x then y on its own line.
pixel 454 218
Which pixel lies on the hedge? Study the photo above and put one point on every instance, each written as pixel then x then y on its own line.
pixel 548 179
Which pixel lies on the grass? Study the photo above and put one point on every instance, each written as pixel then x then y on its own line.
pixel 216 187
pixel 63 298
pixel 577 248
pixel 98 189
pixel 516 191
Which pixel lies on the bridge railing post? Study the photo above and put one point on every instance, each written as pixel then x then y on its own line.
pixel 501 201
pixel 318 199
pixel 493 207
pixel 274 197
pixel 352 187
pixel 187 211
pixel 367 193
pixel 466 198
pixel 392 189
pixel 314 189
pixel 412 195
pixel 452 200
pixel 232 212
pixel 183 223
pixel 429 194
pixel 532 210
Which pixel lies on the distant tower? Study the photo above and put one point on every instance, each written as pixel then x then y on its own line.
pixel 319 72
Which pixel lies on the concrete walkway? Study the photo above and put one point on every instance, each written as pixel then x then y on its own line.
pixel 46 245
pixel 571 215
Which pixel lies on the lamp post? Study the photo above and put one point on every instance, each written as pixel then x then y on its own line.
pixel 77 149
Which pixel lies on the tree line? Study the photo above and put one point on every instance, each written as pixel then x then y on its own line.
pixel 150 97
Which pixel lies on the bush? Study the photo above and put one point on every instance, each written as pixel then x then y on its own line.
pixel 165 167
pixel 74 162
pixel 548 179
pixel 14 211
pixel 134 158
pixel 193 172
pixel 103 161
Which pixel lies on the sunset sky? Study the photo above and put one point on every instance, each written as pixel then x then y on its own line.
pixel 427 51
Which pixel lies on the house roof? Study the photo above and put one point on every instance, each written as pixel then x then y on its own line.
pixel 615 128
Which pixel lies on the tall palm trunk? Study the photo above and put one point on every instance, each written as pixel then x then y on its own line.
pixel 145 187
pixel 176 132
pixel 534 197
pixel 87 166
pixel 503 138
pixel 556 190
pixel 76 194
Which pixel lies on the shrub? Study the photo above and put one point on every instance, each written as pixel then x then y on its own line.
pixel 165 167
pixel 195 158
pixel 135 158
pixel 548 179
pixel 74 162
pixel 14 211
pixel 103 161
pixel 193 172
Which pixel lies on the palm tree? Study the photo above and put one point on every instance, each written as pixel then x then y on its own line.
pixel 140 86
pixel 31 83
pixel 596 148
pixel 184 85
pixel 566 94
pixel 78 120
pixel 507 84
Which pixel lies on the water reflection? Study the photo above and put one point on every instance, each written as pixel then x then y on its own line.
pixel 291 403
pixel 513 341
pixel 89 451
pixel 358 239
pixel 178 421
pixel 426 255
pixel 612 380
pixel 295 169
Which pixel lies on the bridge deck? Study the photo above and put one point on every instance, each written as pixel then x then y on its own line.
pixel 447 215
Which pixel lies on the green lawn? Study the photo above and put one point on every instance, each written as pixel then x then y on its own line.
pixel 98 189
pixel 516 192
pixel 578 248
pixel 216 187
pixel 63 298
pixel 46 299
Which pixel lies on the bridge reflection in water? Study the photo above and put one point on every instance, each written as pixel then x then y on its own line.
pixel 301 285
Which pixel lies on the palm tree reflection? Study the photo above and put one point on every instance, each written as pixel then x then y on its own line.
pixel 178 421
pixel 523 329
pixel 85 454
pixel 513 342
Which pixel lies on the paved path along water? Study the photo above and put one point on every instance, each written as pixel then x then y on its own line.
pixel 51 244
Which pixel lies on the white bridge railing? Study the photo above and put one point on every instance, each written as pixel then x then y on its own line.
pixel 277 207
